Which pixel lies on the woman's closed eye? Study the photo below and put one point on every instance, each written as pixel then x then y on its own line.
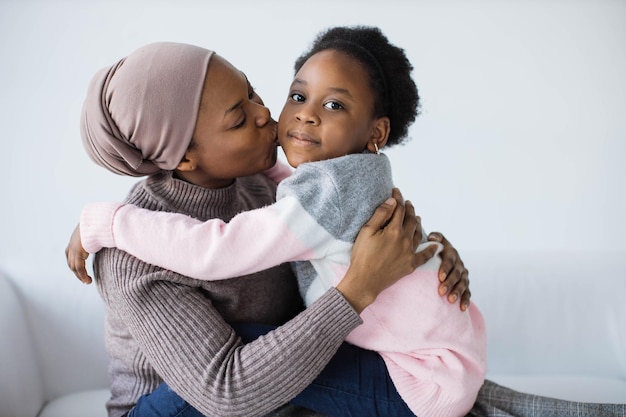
pixel 253 97
pixel 241 122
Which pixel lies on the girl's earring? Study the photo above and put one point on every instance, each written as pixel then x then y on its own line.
pixel 376 147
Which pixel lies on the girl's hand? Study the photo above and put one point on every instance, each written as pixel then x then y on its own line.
pixel 452 274
pixel 76 257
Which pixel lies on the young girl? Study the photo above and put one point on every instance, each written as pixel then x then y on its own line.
pixel 352 95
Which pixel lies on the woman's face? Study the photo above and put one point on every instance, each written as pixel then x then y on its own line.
pixel 234 136
pixel 329 110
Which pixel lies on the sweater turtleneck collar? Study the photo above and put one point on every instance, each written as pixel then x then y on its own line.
pixel 183 197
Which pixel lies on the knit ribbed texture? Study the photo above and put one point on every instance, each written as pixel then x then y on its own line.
pixel 161 324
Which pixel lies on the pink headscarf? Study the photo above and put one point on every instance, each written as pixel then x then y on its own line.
pixel 140 113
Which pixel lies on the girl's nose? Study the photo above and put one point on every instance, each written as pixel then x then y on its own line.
pixel 306 115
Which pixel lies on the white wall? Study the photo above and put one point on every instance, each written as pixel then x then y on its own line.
pixel 520 144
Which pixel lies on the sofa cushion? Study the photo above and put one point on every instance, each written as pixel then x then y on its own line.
pixel 80 404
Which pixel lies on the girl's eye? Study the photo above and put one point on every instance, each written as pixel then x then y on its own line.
pixel 333 105
pixel 297 97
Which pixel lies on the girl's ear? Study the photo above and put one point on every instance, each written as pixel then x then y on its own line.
pixel 188 163
pixel 380 134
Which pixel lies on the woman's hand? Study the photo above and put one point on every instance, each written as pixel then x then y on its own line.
pixel 452 274
pixel 384 252
pixel 76 256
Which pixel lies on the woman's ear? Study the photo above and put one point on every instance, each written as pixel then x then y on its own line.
pixel 188 163
pixel 380 134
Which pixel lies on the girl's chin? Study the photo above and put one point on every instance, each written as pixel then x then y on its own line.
pixel 296 158
pixel 294 161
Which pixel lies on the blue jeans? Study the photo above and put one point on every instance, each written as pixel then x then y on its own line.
pixel 354 383
pixel 163 402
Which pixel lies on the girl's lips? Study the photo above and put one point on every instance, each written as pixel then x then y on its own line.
pixel 302 137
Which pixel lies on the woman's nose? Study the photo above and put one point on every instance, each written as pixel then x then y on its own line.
pixel 263 116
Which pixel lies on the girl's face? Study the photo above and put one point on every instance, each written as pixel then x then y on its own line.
pixel 234 136
pixel 329 110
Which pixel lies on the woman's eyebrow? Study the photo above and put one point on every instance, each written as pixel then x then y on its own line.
pixel 240 102
pixel 233 108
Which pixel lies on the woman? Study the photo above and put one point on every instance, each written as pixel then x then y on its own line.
pixel 191 121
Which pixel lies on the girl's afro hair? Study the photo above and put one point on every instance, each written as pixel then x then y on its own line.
pixel 389 70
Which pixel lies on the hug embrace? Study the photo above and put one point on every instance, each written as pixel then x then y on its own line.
pixel 196 267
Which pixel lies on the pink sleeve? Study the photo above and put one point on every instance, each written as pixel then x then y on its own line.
pixel 96 231
pixel 252 241
pixel 278 172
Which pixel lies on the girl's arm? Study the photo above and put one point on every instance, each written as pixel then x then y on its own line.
pixel 213 250
pixel 453 274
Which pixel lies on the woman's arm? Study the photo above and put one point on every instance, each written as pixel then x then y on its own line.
pixel 198 354
pixel 405 231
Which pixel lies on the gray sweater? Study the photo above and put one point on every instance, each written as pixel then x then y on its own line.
pixel 164 326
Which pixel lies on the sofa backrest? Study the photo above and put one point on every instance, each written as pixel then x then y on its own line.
pixel 552 313
pixel 21 389
pixel 65 320
pixel 546 314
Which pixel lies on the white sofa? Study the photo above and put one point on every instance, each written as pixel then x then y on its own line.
pixel 556 323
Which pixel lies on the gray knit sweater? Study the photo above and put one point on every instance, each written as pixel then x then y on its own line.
pixel 164 326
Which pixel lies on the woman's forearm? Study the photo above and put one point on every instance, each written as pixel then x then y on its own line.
pixel 200 357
